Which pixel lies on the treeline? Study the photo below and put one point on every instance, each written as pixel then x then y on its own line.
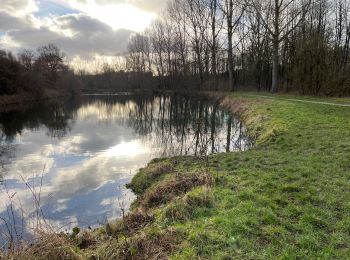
pixel 109 79
pixel 275 45
pixel 36 72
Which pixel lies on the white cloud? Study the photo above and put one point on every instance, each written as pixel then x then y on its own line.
pixel 90 28
pixel 133 15
pixel 75 34
pixel 17 14
pixel 8 22
pixel 116 15
pixel 147 5
pixel 19 7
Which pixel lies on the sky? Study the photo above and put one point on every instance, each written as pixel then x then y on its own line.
pixel 83 29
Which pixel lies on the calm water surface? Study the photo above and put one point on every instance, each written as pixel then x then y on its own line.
pixel 79 154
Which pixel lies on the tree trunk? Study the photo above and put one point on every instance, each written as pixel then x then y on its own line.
pixel 275 64
pixel 230 46
pixel 214 69
pixel 275 42
pixel 213 50
pixel 228 137
pixel 230 62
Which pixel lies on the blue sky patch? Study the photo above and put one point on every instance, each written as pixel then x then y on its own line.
pixel 47 7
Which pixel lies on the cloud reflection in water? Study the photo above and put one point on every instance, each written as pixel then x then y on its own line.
pixel 88 150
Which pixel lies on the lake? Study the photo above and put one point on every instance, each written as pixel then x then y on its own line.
pixel 75 156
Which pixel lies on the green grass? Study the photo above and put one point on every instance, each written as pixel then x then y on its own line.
pixel 286 198
pixel 289 197
pixel 296 96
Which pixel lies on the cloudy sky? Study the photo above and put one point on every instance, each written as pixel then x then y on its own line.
pixel 81 28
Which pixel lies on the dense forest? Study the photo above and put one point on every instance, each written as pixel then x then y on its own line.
pixel 276 45
pixel 36 72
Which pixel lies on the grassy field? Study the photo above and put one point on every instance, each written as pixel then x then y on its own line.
pixel 286 198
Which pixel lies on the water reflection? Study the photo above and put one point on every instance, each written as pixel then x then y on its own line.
pixel 81 153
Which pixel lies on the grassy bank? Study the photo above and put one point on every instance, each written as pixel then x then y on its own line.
pixel 287 198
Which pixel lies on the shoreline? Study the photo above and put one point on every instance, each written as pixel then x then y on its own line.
pixel 18 101
pixel 286 197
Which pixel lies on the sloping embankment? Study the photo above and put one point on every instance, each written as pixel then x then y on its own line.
pixel 287 198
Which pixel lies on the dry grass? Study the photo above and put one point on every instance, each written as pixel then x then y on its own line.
pixel 49 246
pixel 130 224
pixel 87 240
pixel 154 244
pixel 173 187
pixel 148 176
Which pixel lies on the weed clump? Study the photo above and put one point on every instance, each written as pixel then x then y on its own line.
pixel 153 244
pixel 173 187
pixel 130 224
pixel 149 175
pixel 184 208
pixel 50 246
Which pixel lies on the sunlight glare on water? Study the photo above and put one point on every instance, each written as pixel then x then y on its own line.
pixel 79 154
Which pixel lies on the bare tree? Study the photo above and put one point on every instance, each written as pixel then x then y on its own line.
pixel 157 32
pixel 233 11
pixel 197 16
pixel 280 18
pixel 301 44
pixel 216 24
pixel 50 61
pixel 27 58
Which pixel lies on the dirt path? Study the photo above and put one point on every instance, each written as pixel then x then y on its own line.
pixel 300 100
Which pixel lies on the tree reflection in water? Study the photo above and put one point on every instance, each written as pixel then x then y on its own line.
pixel 91 145
pixel 175 125
pixel 181 125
